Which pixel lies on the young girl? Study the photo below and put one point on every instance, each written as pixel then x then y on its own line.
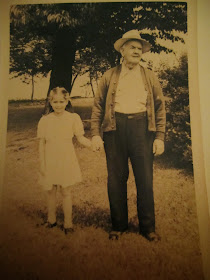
pixel 58 161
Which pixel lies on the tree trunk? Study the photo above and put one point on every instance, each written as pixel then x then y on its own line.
pixel 74 80
pixel 63 55
pixel 92 86
pixel 32 82
pixel 96 74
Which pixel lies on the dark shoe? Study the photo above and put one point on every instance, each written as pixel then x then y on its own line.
pixel 68 230
pixel 151 236
pixel 49 225
pixel 114 235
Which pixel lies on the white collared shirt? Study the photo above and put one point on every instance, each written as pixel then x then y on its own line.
pixel 131 95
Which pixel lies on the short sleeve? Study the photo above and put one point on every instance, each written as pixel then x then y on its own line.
pixel 41 128
pixel 78 128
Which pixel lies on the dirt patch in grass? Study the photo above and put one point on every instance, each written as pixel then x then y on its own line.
pixel 30 251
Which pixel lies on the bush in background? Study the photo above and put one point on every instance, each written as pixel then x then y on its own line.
pixel 178 134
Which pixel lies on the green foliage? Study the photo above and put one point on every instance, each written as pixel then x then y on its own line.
pixel 175 87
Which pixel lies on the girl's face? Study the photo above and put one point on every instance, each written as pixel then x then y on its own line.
pixel 58 103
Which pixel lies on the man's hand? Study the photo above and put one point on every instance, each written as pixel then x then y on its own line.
pixel 97 143
pixel 158 147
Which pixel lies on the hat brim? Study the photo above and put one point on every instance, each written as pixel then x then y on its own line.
pixel 146 46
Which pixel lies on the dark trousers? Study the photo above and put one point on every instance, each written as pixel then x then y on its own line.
pixel 130 140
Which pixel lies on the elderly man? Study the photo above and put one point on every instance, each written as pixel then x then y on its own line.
pixel 129 109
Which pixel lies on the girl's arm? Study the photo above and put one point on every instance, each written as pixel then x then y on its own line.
pixel 84 141
pixel 42 155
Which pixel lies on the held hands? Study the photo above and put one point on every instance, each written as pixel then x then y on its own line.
pixel 84 141
pixel 97 143
pixel 158 147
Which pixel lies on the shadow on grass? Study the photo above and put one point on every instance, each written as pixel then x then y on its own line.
pixel 172 161
pixel 85 216
pixel 90 216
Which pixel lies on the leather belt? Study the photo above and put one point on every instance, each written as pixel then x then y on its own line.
pixel 131 116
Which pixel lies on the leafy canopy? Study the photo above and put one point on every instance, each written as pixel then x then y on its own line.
pixel 93 27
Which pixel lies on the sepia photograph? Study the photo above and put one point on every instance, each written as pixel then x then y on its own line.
pixel 99 167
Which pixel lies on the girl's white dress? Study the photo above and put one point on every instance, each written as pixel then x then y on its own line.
pixel 62 167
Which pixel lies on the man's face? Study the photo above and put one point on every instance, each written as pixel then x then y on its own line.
pixel 132 52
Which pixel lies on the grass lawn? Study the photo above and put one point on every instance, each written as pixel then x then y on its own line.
pixel 30 251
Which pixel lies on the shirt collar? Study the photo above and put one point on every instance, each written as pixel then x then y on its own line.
pixel 135 71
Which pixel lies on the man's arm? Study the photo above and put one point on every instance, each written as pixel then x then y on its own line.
pixel 98 114
pixel 160 117
pixel 159 106
pixel 98 108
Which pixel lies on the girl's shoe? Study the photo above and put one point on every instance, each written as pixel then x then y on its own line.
pixel 49 225
pixel 68 230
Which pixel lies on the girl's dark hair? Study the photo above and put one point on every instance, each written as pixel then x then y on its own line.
pixel 54 91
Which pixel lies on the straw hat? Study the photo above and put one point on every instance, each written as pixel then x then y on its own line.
pixel 132 35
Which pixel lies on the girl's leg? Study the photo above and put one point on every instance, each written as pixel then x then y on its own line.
pixel 67 207
pixel 51 205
